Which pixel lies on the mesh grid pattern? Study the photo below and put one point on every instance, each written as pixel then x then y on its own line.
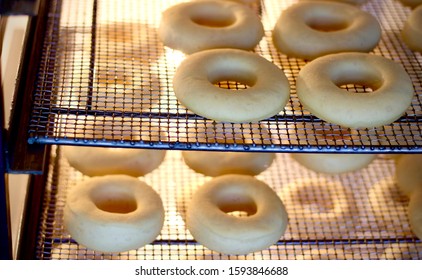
pixel 359 215
pixel 104 67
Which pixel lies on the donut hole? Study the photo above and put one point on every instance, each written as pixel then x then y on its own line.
pixel 238 213
pixel 231 85
pixel 239 210
pixel 239 205
pixel 236 80
pixel 357 88
pixel 114 201
pixel 358 80
pixel 327 24
pixel 213 18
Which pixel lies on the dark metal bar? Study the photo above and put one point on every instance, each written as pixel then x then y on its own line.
pixel 92 56
pixel 280 242
pixel 289 118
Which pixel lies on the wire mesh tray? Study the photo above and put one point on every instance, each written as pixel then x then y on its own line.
pixel 359 215
pixel 106 79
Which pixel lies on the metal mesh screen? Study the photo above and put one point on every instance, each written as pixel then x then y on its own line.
pixel 106 79
pixel 358 215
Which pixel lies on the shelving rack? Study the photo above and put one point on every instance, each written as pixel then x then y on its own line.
pixel 360 215
pixel 96 74
pixel 106 79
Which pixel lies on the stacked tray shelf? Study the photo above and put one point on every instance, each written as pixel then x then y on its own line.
pixel 106 79
pixel 359 215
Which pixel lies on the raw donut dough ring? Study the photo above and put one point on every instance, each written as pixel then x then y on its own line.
pixel 99 161
pixel 113 213
pixel 408 173
pixel 333 163
pixel 201 25
pixel 221 163
pixel 215 163
pixel 412 30
pixel 297 31
pixel 209 223
pixel 194 86
pixel 319 92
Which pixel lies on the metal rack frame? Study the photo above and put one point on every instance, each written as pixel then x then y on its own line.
pixel 359 215
pixel 69 93
pixel 49 122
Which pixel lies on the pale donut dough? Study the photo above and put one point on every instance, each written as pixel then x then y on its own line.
pixel 411 3
pixel 211 225
pixel 318 88
pixel 195 78
pixel 408 173
pixel 98 161
pixel 412 30
pixel 113 213
pixel 200 25
pixel 333 163
pixel 216 163
pixel 415 213
pixel 310 29
pixel 221 163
